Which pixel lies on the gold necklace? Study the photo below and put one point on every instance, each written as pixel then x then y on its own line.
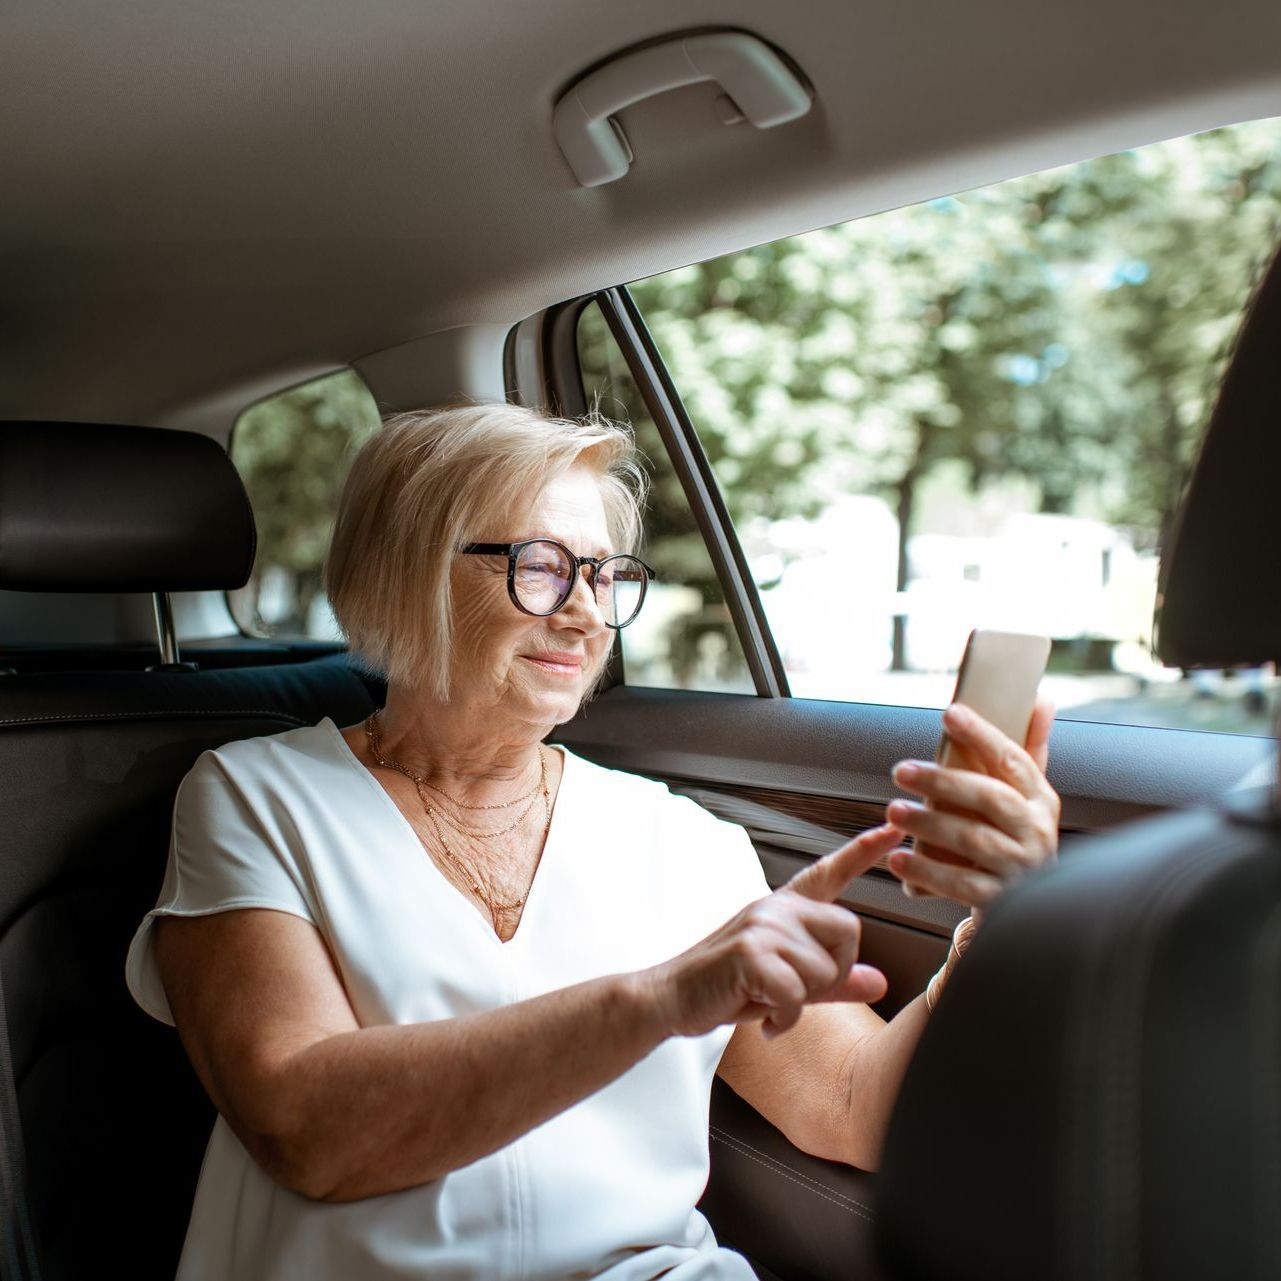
pixel 472 876
pixel 479 832
pixel 486 894
pixel 371 734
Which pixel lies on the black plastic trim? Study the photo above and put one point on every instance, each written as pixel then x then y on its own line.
pixel 1106 774
pixel 565 390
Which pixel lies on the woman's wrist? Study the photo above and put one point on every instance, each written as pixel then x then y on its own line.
pixel 961 937
pixel 647 995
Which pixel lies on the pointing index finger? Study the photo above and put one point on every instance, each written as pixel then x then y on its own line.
pixel 826 877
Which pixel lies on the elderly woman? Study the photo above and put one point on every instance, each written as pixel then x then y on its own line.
pixel 458 995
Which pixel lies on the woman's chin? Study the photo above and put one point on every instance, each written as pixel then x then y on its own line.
pixel 551 698
pixel 554 707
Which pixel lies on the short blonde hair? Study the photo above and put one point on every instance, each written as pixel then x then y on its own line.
pixel 432 481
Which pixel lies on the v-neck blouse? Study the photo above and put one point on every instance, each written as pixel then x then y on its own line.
pixel 630 876
pixel 415 843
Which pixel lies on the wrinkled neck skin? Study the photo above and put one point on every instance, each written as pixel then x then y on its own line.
pixel 478 753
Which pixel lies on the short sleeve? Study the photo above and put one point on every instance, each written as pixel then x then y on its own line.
pixel 228 848
pixel 744 878
pixel 717 864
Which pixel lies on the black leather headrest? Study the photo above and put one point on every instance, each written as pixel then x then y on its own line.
pixel 93 508
pixel 1219 574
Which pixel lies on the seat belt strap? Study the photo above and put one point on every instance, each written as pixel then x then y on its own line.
pixel 17 1240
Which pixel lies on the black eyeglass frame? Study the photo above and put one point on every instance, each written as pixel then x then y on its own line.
pixel 512 550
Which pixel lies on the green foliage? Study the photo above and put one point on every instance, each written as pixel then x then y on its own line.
pixel 293 451
pixel 1058 327
pixel 1066 329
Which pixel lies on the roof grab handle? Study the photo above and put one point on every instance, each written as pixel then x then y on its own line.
pixel 763 88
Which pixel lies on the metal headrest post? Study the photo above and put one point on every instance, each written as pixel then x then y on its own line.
pixel 167 637
pixel 1275 794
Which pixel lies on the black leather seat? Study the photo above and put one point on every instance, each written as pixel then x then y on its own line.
pixel 1099 1092
pixel 114 1119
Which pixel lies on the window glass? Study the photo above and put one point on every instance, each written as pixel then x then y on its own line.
pixel 684 637
pixel 981 411
pixel 293 451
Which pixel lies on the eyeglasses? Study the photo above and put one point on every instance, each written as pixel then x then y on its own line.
pixel 541 574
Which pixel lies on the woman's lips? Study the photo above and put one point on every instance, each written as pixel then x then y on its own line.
pixel 562 664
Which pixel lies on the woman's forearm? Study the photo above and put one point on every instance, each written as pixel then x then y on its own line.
pixel 876 1070
pixel 385 1108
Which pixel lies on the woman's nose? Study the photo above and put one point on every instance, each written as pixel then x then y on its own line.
pixel 582 602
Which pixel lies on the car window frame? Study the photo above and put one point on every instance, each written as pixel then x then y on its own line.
pixel 544 350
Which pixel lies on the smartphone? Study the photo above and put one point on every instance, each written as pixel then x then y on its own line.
pixel 999 676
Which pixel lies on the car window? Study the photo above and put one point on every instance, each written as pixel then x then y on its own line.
pixel 292 451
pixel 684 637
pixel 981 411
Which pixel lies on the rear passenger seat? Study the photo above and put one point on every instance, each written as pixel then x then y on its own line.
pixel 113 1117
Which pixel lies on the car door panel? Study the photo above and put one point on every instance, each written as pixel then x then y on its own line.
pixel 838 755
pixel 826 1227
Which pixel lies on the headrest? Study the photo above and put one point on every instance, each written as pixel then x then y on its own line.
pixel 1219 573
pixel 93 508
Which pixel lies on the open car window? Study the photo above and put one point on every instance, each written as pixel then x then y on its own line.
pixel 685 636
pixel 978 411
pixel 293 451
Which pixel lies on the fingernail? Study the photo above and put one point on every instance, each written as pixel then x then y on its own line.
pixel 906 772
pixel 959 715
pixel 901 809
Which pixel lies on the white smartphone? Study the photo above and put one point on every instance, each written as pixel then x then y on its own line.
pixel 999 676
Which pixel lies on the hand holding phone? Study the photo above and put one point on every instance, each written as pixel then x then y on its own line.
pixel 998 679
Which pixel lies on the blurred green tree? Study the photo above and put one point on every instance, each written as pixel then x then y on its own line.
pixel 1067 328
pixel 293 451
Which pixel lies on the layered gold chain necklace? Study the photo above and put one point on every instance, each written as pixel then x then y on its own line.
pixel 435 815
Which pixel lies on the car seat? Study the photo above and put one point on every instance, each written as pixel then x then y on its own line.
pixel 114 1119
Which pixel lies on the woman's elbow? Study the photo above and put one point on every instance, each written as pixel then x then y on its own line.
pixel 293 1163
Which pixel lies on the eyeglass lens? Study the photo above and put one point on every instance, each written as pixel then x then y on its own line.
pixel 544 573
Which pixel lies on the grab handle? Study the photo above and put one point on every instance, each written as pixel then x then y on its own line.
pixel 763 87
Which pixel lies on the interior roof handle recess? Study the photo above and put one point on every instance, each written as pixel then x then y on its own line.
pixel 760 87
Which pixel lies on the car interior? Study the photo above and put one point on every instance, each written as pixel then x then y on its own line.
pixel 210 206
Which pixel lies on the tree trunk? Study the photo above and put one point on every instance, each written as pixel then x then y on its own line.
pixel 1056 480
pixel 1173 470
pixel 306 588
pixel 906 493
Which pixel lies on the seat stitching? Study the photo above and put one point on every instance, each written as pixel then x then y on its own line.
pixel 734 1138
pixel 801 1182
pixel 804 1186
pixel 133 716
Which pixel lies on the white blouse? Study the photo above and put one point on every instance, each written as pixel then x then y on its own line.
pixel 630 876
